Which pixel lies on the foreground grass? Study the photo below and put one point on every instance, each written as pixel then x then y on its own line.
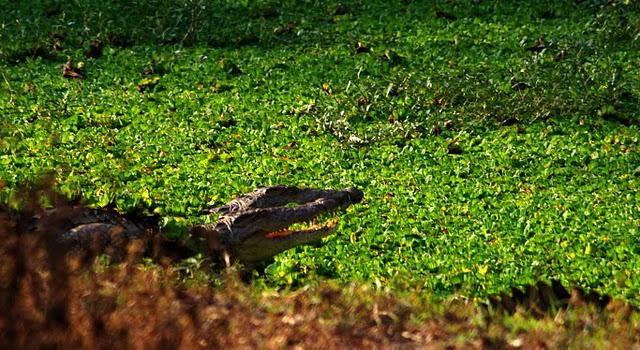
pixel 50 301
pixel 497 145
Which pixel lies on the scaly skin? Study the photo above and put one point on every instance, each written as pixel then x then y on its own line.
pixel 251 229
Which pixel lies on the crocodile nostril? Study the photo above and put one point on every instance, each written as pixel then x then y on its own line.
pixel 354 194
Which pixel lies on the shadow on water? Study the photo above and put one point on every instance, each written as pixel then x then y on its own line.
pixel 46 29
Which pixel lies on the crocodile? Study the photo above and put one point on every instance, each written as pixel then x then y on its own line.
pixel 250 229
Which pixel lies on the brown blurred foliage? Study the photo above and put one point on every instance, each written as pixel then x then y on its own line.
pixel 51 300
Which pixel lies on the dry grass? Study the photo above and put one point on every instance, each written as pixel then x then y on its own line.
pixel 49 300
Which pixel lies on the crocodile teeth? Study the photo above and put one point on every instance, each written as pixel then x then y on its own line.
pixel 281 233
pixel 308 229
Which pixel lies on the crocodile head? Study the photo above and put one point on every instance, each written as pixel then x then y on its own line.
pixel 263 223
